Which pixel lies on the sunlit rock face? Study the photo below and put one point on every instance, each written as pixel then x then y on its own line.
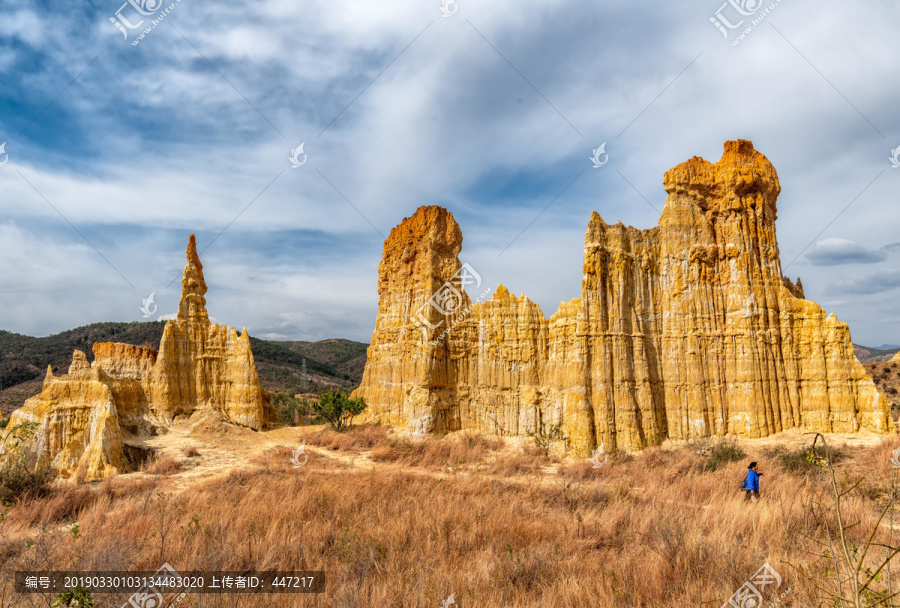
pixel 683 330
pixel 81 416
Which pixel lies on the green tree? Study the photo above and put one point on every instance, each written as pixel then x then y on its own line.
pixel 338 409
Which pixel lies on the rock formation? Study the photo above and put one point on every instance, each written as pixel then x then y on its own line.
pixel 84 416
pixel 687 329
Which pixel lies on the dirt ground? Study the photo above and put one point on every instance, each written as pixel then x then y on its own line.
pixel 224 448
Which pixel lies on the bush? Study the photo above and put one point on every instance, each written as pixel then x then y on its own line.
pixel 803 460
pixel 17 481
pixel 4 422
pixel 286 403
pixel 79 596
pixel 722 453
pixel 336 408
pixel 20 475
pixel 545 436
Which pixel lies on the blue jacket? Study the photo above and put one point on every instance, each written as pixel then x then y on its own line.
pixel 752 480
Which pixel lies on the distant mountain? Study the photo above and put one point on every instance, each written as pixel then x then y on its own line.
pixel 888 347
pixel 24 359
pixel 868 354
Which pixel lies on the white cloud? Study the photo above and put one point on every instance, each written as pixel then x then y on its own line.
pixel 837 251
pixel 152 143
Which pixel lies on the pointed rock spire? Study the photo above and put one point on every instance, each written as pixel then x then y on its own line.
pixel 192 306
pixel 79 363
pixel 49 377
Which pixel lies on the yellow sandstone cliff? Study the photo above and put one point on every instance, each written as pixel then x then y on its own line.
pixel 686 329
pixel 83 416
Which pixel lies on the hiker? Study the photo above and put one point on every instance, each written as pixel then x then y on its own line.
pixel 751 483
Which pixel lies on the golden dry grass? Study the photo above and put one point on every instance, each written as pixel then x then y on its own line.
pixel 492 522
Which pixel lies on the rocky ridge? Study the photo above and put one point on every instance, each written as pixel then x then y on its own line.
pixel 687 329
pixel 84 417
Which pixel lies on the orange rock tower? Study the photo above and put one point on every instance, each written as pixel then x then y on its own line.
pixel 687 329
pixel 81 416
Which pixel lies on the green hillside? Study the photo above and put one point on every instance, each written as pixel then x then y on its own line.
pixel 24 359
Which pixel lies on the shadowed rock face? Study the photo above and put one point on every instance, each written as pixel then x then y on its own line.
pixel 81 415
pixel 683 330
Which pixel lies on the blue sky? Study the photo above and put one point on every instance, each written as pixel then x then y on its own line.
pixel 118 152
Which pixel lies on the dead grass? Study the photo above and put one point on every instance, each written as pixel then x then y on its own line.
pixel 358 437
pixel 453 452
pixel 163 466
pixel 523 462
pixel 651 530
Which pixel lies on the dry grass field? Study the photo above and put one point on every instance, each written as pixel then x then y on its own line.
pixel 404 524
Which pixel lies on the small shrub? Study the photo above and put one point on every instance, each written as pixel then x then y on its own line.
pixel 17 481
pixel 803 460
pixel 20 474
pixel 545 436
pixel 162 466
pixel 79 596
pixel 190 452
pixel 286 403
pixel 4 422
pixel 338 409
pixel 722 453
pixel 651 441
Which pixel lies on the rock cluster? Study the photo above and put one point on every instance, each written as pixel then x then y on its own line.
pixel 84 416
pixel 687 329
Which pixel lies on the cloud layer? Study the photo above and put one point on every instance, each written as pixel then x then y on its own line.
pixel 118 152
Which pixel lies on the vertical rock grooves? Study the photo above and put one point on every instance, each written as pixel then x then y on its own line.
pixel 686 329
pixel 80 415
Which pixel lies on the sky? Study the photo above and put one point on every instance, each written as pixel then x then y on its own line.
pixel 118 147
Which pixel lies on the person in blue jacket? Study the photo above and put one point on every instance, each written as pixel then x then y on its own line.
pixel 751 483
